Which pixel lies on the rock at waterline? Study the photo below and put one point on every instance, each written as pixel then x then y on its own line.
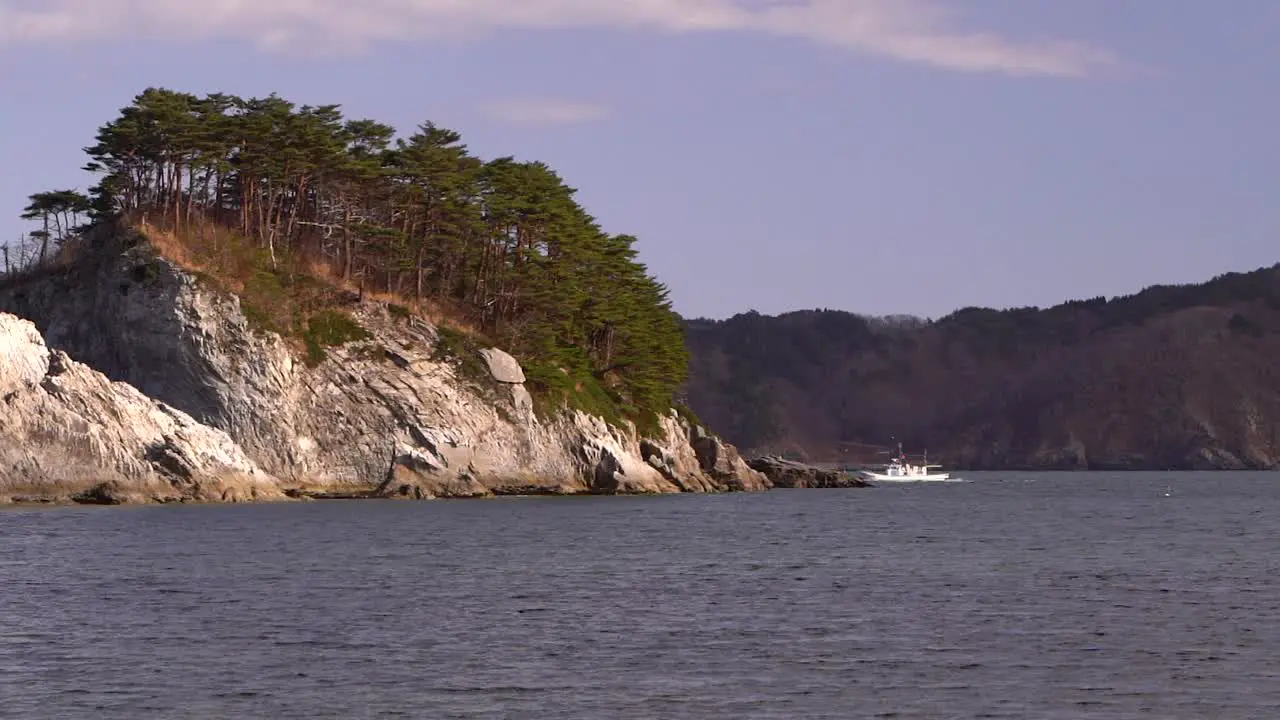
pixel 68 433
pixel 791 474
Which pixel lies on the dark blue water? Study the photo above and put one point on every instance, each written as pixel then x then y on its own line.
pixel 1035 596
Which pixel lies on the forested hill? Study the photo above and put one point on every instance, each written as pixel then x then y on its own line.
pixel 269 197
pixel 1172 377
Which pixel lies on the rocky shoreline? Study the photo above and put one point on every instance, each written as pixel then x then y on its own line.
pixel 131 380
pixel 71 435
pixel 784 473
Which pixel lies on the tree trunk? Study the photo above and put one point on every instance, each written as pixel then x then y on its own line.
pixel 348 245
pixel 297 205
pixel 418 268
pixel 177 196
pixel 44 241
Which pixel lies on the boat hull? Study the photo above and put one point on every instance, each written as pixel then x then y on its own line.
pixel 931 477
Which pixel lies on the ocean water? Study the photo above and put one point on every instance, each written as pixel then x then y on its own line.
pixel 1012 596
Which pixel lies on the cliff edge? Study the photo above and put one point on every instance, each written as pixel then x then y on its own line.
pixel 387 407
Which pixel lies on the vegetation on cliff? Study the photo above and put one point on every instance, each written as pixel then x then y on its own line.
pixel 1171 377
pixel 269 196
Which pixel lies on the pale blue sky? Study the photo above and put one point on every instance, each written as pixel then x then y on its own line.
pixel 877 156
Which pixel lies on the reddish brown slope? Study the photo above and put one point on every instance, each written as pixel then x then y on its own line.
pixel 1173 377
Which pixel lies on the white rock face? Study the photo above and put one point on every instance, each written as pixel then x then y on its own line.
pixel 24 360
pixel 68 432
pixel 386 416
pixel 503 367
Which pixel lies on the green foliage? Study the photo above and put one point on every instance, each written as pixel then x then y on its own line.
pixel 259 319
pixel 463 352
pixel 687 414
pixel 549 386
pixel 452 344
pixel 59 212
pixel 502 244
pixel 399 312
pixel 330 328
pixel 554 387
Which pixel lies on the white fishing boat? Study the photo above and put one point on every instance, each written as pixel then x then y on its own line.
pixel 899 469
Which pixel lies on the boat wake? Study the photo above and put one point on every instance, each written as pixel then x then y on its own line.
pixel 906 480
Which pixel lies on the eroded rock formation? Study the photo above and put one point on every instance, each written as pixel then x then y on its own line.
pixel 388 415
pixel 69 433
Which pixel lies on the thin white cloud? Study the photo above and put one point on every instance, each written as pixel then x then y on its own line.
pixel 918 31
pixel 545 111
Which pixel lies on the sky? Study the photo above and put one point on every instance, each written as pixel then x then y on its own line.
pixel 875 156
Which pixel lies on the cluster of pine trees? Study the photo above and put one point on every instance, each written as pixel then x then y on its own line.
pixel 419 217
pixel 60 214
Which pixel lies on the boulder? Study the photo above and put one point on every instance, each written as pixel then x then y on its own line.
pixel 722 462
pixel 502 366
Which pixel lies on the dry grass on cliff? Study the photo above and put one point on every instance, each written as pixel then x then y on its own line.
pixel 63 258
pixel 276 294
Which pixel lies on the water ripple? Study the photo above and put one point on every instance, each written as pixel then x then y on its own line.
pixel 1072 596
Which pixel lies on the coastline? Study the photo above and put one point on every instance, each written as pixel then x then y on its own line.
pixel 791 476
pixel 163 390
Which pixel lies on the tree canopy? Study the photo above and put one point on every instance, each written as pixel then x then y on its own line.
pixel 419 217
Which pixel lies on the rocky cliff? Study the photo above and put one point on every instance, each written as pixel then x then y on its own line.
pixel 69 433
pixel 392 413
pixel 1173 377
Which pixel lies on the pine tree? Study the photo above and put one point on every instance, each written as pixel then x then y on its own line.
pixel 503 241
